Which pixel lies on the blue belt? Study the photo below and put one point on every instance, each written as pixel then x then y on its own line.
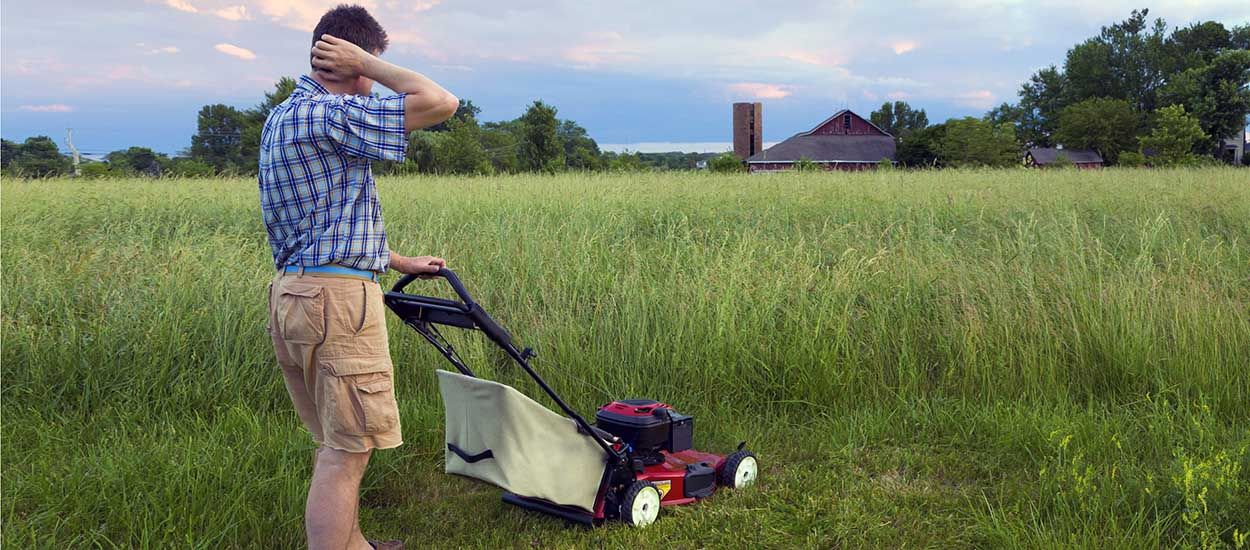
pixel 333 271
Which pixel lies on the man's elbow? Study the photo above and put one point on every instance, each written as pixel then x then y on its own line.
pixel 448 106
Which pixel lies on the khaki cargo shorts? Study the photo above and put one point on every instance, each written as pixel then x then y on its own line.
pixel 329 334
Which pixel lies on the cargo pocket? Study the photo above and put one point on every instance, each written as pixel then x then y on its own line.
pixel 362 395
pixel 300 312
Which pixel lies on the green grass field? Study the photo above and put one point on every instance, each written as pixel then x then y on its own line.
pixel 948 359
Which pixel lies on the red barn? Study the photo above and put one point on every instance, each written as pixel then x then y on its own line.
pixel 844 141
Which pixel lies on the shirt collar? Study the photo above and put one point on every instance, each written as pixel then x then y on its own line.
pixel 307 84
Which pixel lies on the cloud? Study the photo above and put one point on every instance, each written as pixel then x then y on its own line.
pixel 304 14
pixel 182 5
pixel 601 48
pixel 159 50
pixel 233 13
pixel 980 99
pixel 808 57
pixel 898 95
pixel 235 51
pixel 48 108
pixel 903 46
pixel 759 90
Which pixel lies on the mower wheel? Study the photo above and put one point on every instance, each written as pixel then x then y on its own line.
pixel 739 470
pixel 641 504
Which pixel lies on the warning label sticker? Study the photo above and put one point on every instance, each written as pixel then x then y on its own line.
pixel 664 487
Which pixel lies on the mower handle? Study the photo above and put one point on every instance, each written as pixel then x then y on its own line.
pixel 443 272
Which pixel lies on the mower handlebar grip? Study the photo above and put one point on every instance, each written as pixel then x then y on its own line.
pixel 443 272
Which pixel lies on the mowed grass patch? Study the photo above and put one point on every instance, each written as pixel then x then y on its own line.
pixel 956 358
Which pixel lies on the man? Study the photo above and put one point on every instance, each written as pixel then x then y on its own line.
pixel 321 211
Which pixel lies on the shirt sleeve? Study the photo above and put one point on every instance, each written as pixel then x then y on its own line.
pixel 369 127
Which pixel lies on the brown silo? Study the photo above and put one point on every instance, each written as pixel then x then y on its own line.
pixel 748 129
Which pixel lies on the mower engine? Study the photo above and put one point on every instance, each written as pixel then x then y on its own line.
pixel 648 427
pixel 658 441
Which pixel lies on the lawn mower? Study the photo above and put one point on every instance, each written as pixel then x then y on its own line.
pixel 636 459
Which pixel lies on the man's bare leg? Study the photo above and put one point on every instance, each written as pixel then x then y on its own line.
pixel 334 500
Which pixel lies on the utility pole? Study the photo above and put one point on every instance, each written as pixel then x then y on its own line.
pixel 69 140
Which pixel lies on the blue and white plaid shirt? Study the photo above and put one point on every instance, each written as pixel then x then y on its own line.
pixel 317 192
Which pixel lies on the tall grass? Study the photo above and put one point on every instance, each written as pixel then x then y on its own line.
pixel 987 358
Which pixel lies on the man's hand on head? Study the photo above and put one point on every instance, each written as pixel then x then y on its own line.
pixel 417 265
pixel 339 59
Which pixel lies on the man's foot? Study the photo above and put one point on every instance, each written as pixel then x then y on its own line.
pixel 387 544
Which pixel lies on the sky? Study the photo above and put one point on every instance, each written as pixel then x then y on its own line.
pixel 640 75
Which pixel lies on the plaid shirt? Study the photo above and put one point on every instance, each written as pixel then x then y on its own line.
pixel 317 193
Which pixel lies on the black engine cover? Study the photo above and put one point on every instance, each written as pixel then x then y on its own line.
pixel 647 425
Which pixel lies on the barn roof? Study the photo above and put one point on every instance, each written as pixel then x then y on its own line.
pixel 825 148
pixel 1048 155
pixel 839 114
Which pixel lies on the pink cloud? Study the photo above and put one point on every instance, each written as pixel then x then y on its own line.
pixel 759 90
pixel 903 46
pixel 235 51
pixel 182 5
pixel 304 14
pixel 981 99
pixel 48 108
pixel 601 48
pixel 233 13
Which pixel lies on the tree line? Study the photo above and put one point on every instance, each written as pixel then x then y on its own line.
pixel 1135 93
pixel 227 142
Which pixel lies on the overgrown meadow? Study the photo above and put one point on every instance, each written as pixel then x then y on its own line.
pixel 943 359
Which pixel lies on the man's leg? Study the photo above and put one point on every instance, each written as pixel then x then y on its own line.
pixel 334 501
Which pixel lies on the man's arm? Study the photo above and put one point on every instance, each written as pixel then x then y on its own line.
pixel 417 265
pixel 426 103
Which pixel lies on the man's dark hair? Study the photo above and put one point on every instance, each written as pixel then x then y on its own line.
pixel 355 25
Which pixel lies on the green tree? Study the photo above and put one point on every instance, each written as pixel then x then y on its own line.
pixel 1036 114
pixel 1217 94
pixel 971 142
pixel 39 157
pixel 626 162
pixel 8 150
pixel 460 150
pixel 920 149
pixel 500 142
pixel 1125 61
pixel 98 170
pixel 580 151
pixel 1107 126
pixel 899 119
pixel 136 161
pixel 1132 159
pixel 1172 141
pixel 1239 37
pixel 185 167
pixel 465 110
pixel 218 140
pixel 423 147
pixel 540 147
pixel 725 163
pixel 1196 45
